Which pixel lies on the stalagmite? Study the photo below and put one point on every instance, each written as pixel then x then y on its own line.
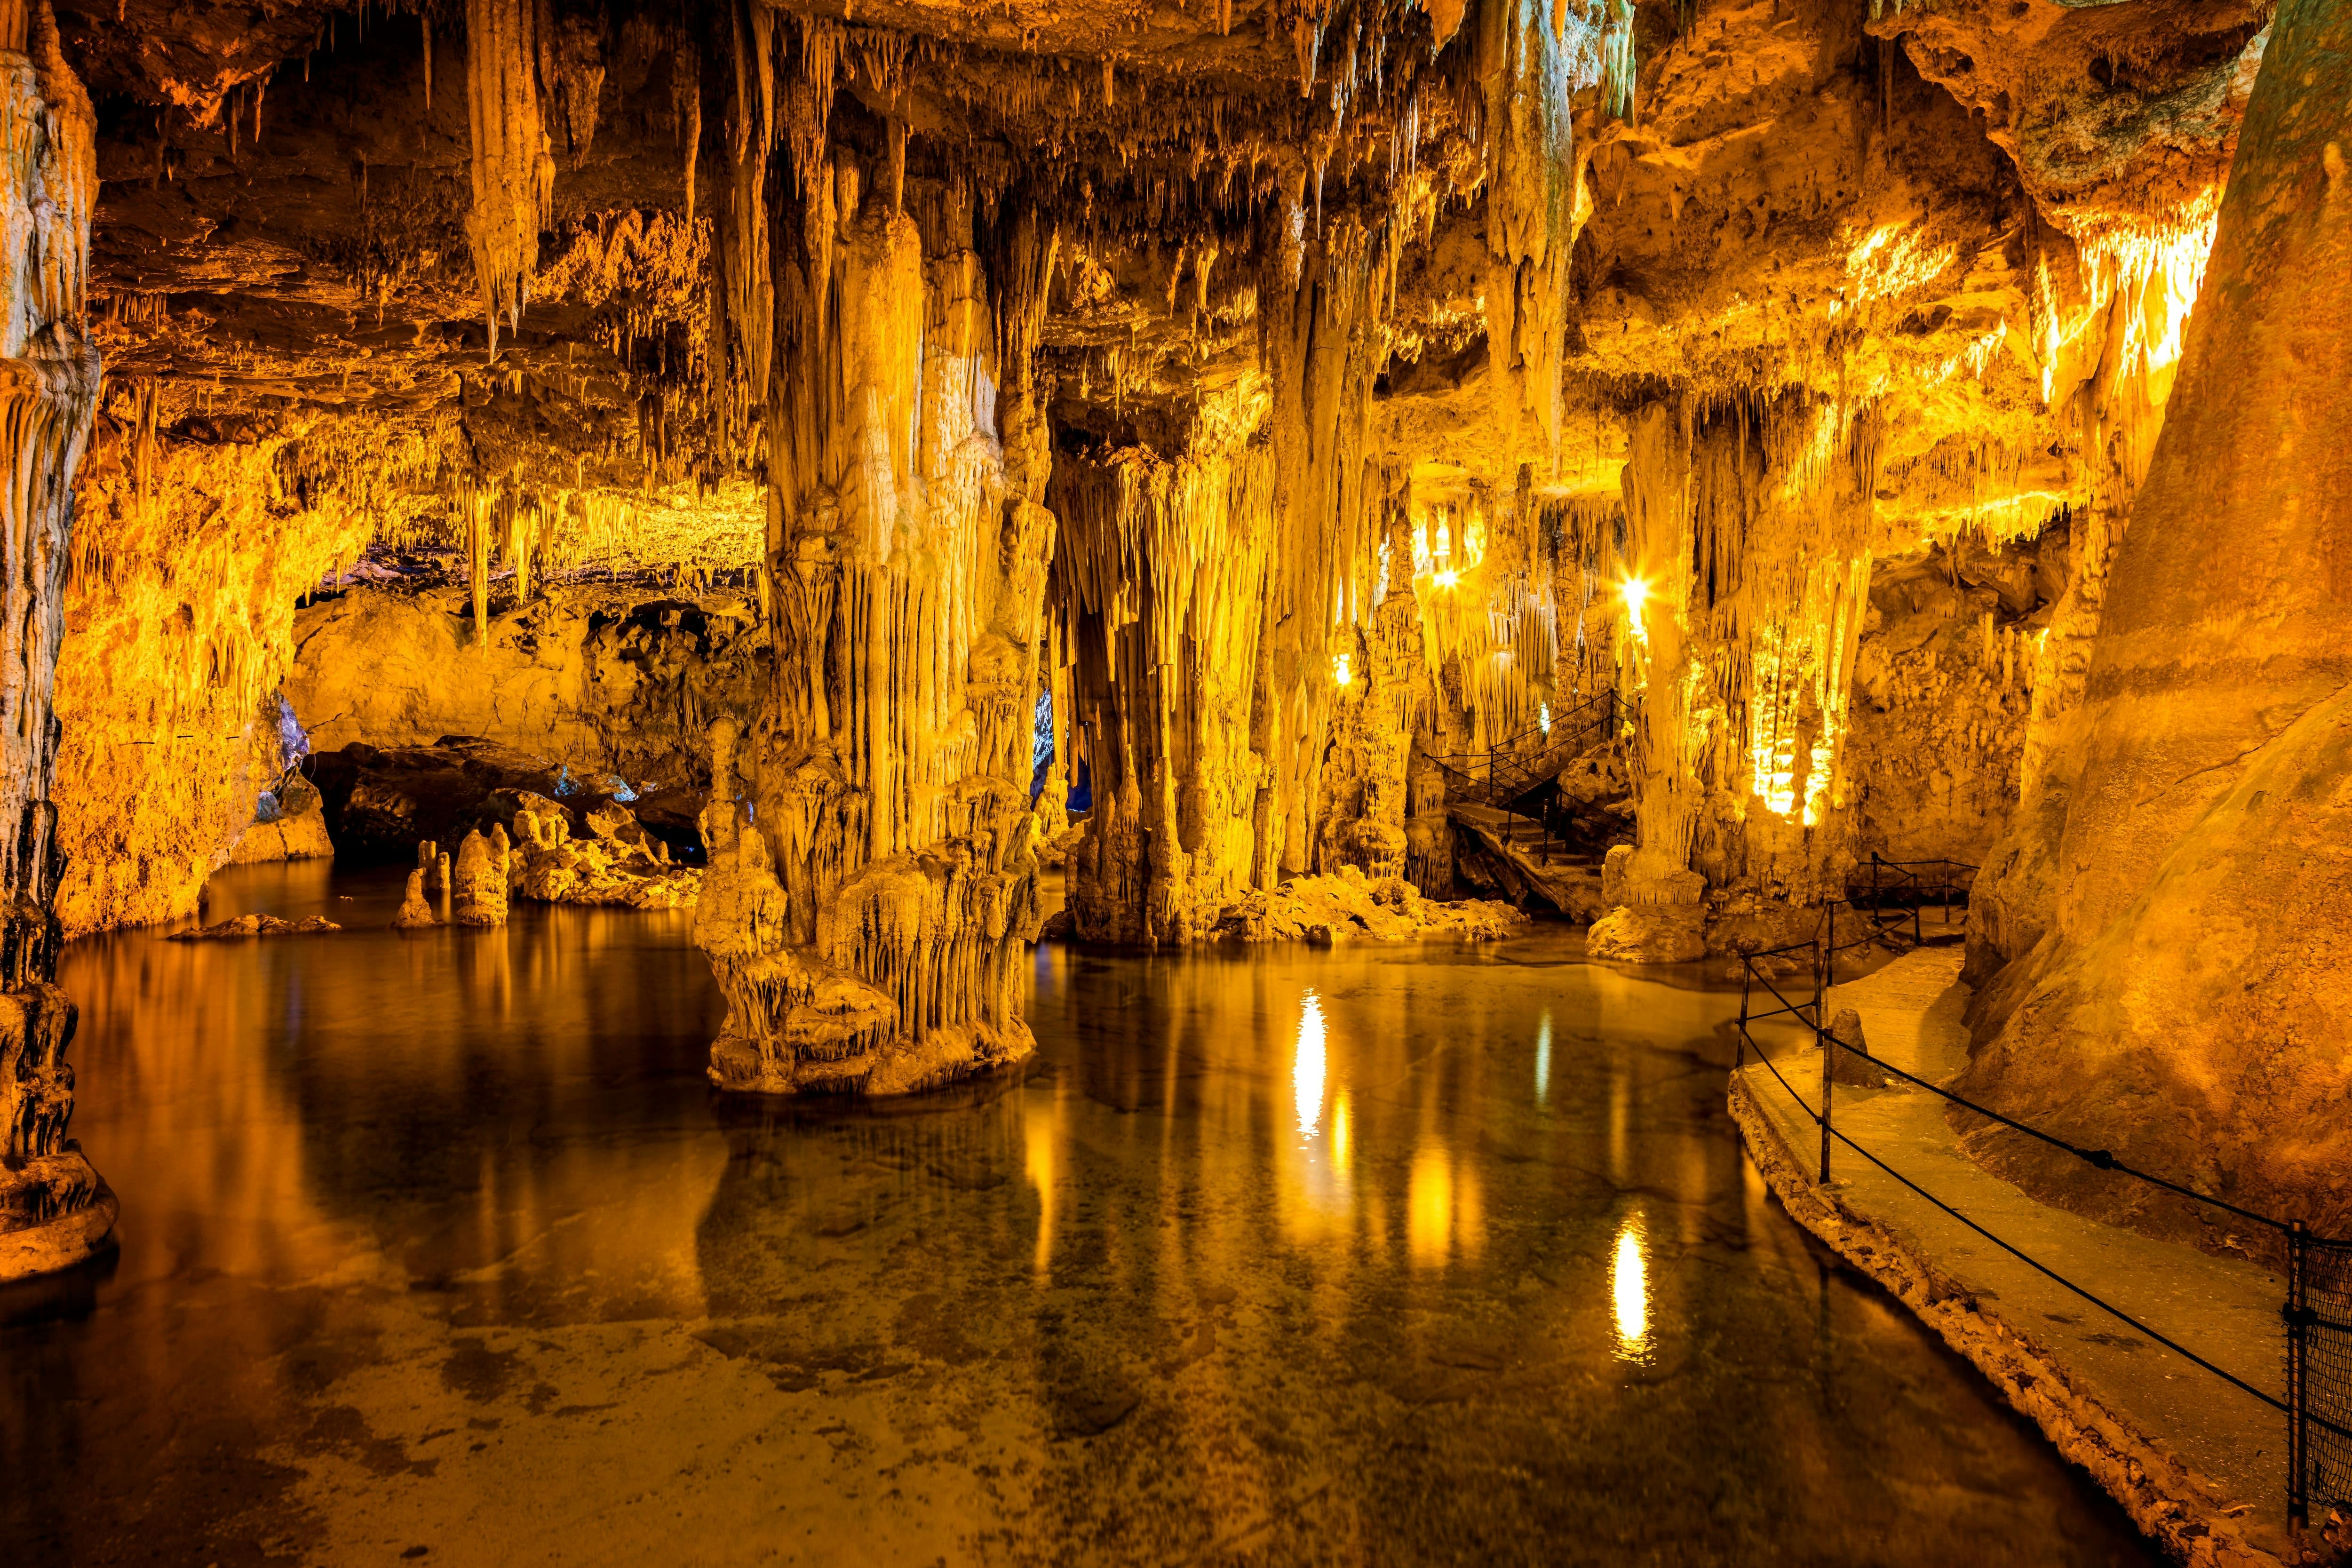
pixel 415 912
pixel 480 886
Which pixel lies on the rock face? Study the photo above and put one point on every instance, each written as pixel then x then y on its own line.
pixel 190 558
pixel 603 680
pixel 2187 1006
pixel 1943 680
pixel 291 826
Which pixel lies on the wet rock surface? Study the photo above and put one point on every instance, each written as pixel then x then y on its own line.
pixel 255 925
pixel 1351 906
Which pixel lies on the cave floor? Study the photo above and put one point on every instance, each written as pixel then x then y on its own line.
pixel 2226 1310
pixel 441 1249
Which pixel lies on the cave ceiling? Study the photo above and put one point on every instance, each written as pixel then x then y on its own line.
pixel 1911 212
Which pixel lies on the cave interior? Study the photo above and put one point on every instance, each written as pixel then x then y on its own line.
pixel 893 489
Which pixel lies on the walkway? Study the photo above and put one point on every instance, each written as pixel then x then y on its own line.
pixel 1527 863
pixel 2201 1466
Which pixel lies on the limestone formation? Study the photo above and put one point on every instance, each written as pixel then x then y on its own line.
pixel 1351 906
pixel 290 823
pixel 54 1211
pixel 255 925
pixel 2185 1007
pixel 479 891
pixel 1281 466
pixel 618 862
pixel 416 911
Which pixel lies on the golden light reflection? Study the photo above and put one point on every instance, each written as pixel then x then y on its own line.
pixel 1543 1059
pixel 1306 1071
pixel 1447 578
pixel 1037 1127
pixel 1342 669
pixel 1342 1131
pixel 1429 1208
pixel 1629 1290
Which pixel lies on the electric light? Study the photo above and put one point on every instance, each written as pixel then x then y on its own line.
pixel 1341 671
pixel 1635 593
pixel 1447 578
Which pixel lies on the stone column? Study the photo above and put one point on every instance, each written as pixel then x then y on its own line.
pixel 55 1210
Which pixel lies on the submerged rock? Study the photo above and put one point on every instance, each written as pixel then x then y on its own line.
pixel 254 925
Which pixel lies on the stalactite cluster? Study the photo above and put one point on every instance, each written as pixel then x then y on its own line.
pixel 1294 412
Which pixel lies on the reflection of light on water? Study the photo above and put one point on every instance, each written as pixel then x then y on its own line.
pixel 1629 1287
pixel 1543 1059
pixel 1430 1206
pixel 1306 1073
pixel 1340 1131
pixel 1037 1138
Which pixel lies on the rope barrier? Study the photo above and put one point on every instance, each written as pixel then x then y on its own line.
pixel 2299 1316
pixel 2110 1309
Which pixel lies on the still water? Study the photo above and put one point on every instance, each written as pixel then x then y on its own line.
pixel 438 1248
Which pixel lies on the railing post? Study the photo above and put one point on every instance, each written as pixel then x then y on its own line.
pixel 1739 1042
pixel 2298 1334
pixel 1821 1028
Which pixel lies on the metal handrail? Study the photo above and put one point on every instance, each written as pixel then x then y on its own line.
pixel 1566 732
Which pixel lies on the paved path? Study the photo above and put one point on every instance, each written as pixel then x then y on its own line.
pixel 2231 1446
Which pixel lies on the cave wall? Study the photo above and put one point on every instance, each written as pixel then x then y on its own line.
pixel 607 679
pixel 1944 680
pixel 189 558
pixel 2186 1006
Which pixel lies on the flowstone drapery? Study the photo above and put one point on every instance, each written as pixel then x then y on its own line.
pixel 872 887
pixel 54 1208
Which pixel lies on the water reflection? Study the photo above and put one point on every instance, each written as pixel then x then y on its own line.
pixel 1629 1293
pixel 1306 1072
pixel 1543 1059
pixel 416 1223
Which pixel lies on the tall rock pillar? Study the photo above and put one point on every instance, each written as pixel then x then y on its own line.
pixel 54 1209
pixel 2188 1008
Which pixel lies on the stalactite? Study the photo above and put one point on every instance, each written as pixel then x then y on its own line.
pixel 1162 587
pixel 513 172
